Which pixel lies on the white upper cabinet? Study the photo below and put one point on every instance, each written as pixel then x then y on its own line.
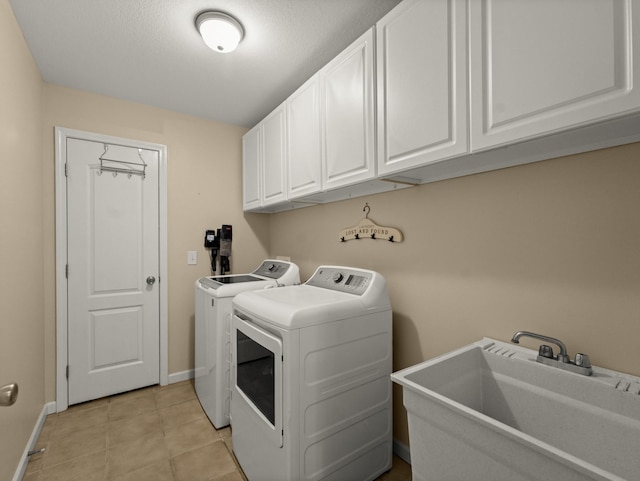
pixel 348 108
pixel 462 87
pixel 273 136
pixel 304 153
pixel 251 179
pixel 421 49
pixel 540 67
pixel 264 162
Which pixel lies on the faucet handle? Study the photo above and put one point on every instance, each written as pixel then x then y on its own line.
pixel 546 351
pixel 582 360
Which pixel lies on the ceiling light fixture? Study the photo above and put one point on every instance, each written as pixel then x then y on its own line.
pixel 221 32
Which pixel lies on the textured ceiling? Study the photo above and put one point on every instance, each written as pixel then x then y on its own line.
pixel 149 51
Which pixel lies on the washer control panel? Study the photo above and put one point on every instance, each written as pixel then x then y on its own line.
pixel 343 279
pixel 273 269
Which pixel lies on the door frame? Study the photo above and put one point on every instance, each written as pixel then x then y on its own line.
pixel 61 136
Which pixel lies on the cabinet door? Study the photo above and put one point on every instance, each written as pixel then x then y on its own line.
pixel 347 87
pixel 273 157
pixel 538 67
pixel 422 84
pixel 304 150
pixel 251 198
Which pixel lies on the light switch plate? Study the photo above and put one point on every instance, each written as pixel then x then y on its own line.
pixel 192 257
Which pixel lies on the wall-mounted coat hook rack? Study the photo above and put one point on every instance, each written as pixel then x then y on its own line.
pixel 134 168
pixel 368 229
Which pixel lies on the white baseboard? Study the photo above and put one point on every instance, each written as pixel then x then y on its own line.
pixel 402 451
pixel 181 376
pixel 47 409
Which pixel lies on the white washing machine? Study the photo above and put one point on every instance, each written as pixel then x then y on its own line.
pixel 213 298
pixel 311 388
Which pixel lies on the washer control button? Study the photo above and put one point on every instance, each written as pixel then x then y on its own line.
pixel 337 277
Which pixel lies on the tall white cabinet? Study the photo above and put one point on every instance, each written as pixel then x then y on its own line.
pixel 348 108
pixel 273 136
pixel 263 162
pixel 304 145
pixel 251 170
pixel 539 67
pixel 421 49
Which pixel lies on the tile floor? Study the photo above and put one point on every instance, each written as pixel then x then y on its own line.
pixel 155 434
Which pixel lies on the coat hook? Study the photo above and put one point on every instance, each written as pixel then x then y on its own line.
pixel 367 209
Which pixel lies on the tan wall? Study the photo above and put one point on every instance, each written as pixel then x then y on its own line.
pixel 21 241
pixel 204 191
pixel 550 247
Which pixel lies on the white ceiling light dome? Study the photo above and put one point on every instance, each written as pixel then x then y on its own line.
pixel 221 32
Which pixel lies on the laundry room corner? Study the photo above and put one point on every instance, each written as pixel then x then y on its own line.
pixel 200 152
pixel 548 246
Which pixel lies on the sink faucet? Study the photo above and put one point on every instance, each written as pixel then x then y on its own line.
pixel 563 356
pixel 582 364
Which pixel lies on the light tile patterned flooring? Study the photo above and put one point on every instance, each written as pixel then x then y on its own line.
pixel 152 434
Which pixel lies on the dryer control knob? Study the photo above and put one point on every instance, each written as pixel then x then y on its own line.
pixel 337 277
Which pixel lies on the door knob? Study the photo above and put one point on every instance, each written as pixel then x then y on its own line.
pixel 8 394
pixel 151 280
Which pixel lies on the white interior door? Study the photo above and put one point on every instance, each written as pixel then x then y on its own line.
pixel 113 270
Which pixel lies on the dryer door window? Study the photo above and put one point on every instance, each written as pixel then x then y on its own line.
pixel 258 374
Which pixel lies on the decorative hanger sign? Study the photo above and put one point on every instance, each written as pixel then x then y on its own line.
pixel 367 229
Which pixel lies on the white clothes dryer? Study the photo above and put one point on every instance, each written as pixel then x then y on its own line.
pixel 311 388
pixel 213 306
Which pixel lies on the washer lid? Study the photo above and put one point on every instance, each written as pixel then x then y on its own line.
pixel 216 281
pixel 293 307
pixel 231 285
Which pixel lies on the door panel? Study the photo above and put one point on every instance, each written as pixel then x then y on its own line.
pixel 116 336
pixel 113 314
pixel 115 269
